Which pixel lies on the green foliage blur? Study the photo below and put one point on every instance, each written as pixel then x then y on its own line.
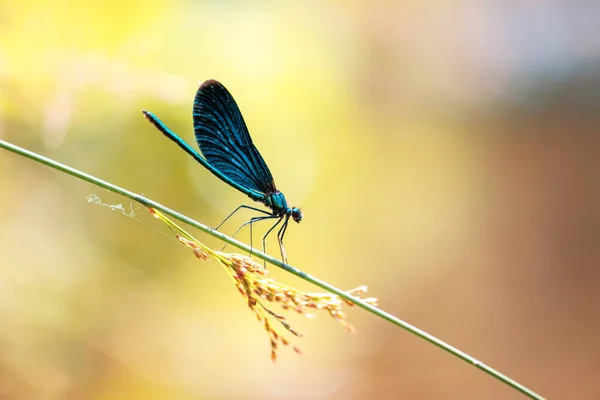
pixel 445 155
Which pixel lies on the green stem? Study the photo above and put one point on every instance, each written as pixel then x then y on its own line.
pixel 324 285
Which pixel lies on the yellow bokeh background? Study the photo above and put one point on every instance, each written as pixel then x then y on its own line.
pixel 445 155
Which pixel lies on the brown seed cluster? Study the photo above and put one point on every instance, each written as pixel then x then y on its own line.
pixel 251 280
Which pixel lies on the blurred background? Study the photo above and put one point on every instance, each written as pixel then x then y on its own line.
pixel 445 155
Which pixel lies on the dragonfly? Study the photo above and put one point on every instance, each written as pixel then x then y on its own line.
pixel 229 154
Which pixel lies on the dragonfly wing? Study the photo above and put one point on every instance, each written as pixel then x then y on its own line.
pixel 224 139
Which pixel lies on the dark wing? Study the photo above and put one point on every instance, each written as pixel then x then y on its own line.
pixel 224 140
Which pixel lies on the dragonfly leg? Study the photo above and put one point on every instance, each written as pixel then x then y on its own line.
pixel 243 206
pixel 239 208
pixel 252 220
pixel 264 240
pixel 280 235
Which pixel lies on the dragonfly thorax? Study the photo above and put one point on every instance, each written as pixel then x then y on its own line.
pixel 276 202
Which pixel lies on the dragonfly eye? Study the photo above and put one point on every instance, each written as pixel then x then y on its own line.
pixel 296 214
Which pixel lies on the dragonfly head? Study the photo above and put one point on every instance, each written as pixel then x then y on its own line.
pixel 296 214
